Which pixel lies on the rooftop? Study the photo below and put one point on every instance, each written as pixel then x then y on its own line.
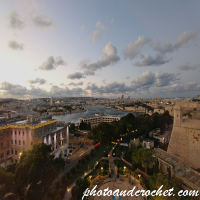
pixel 190 175
pixel 168 158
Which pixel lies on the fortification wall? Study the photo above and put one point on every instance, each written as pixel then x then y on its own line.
pixel 185 143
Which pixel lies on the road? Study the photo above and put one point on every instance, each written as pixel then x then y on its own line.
pixel 75 157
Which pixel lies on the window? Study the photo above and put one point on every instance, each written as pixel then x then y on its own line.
pixel 15 133
pixel 15 141
pixel 23 142
pixel 2 155
pixel 11 151
pixel 23 133
pixel 15 152
pixel 48 129
pixel 31 134
pixel 56 146
pixel 31 143
pixel 19 133
pixel 19 142
pixel 44 130
pixel 8 152
pixel 54 126
pixel 2 145
pixel 11 141
pixel 7 134
pixel 53 148
pixel 11 133
pixel 7 142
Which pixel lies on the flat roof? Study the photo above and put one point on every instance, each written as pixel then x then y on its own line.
pixel 93 116
pixel 168 158
pixel 148 140
pixel 190 175
pixel 57 129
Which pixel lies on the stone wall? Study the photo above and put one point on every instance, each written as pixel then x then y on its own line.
pixel 185 143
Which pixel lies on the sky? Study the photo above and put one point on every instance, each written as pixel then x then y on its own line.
pixel 99 48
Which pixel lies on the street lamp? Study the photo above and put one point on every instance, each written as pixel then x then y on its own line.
pixel 101 171
pixel 139 176
pixel 124 169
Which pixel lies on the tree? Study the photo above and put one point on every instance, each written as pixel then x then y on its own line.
pixel 144 157
pixel 40 166
pixel 72 127
pixel 79 181
pixel 72 170
pixel 90 166
pixel 157 180
pixel 61 192
pixel 67 174
pixel 75 191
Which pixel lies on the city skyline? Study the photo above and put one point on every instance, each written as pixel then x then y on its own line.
pixel 99 49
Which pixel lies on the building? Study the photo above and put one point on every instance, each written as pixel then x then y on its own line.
pixel 148 144
pixel 185 138
pixel 20 136
pixel 98 118
pixel 174 166
pixel 122 96
pixel 51 101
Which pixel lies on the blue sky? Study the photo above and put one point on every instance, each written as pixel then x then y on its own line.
pixel 99 48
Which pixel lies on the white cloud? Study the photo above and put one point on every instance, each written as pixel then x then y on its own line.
pixel 43 21
pixel 37 80
pixel 15 45
pixel 16 20
pixel 184 38
pixel 148 60
pixel 159 79
pixel 187 66
pixel 163 48
pixel 109 57
pixel 100 26
pixel 134 48
pixel 95 36
pixel 52 63
pixel 76 84
pixel 76 75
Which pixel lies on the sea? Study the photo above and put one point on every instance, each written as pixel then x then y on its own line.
pixel 74 117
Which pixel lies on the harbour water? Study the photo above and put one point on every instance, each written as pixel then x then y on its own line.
pixel 74 118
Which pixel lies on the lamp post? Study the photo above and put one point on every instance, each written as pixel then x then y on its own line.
pixel 139 176
pixel 101 171
pixel 124 169
pixel 20 154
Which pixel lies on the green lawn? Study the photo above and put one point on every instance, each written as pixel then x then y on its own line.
pixel 98 154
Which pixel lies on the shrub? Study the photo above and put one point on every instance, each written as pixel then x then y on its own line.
pixel 91 154
pixel 83 161
pixel 90 166
pixel 87 157
pixel 77 165
pixel 63 178
pixel 61 192
pixel 105 154
pixel 58 197
pixel 72 170
pixel 67 174
pixel 79 161
pixel 57 183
